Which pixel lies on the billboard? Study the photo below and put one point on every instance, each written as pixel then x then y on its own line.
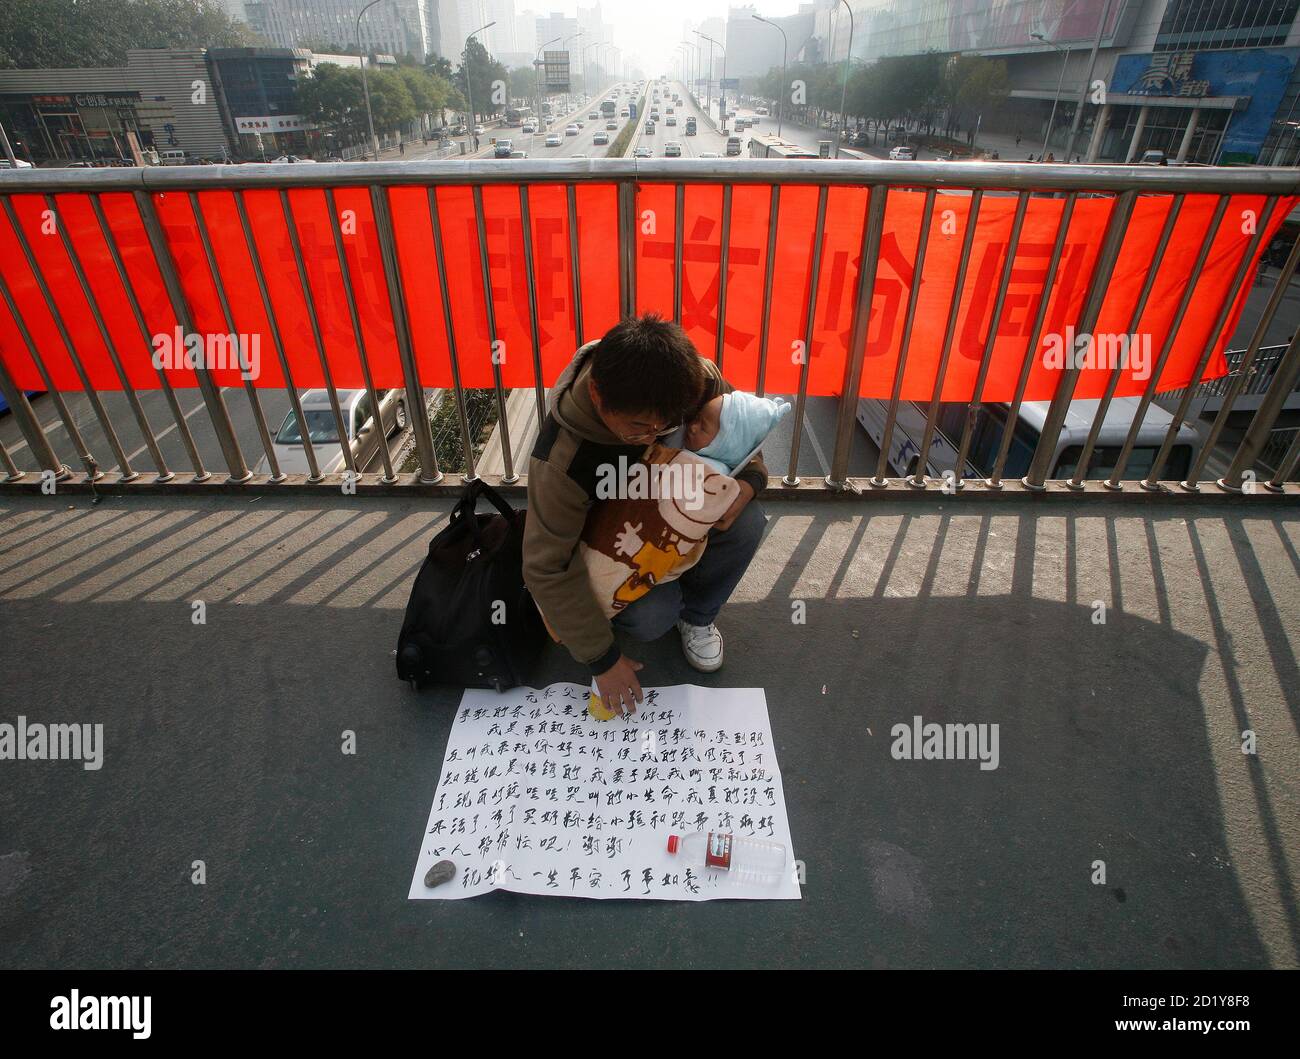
pixel 1256 76
pixel 555 71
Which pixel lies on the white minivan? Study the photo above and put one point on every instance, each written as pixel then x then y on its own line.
pixel 172 156
pixel 990 422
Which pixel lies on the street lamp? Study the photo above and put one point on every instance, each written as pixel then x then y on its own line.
pixel 844 88
pixel 722 94
pixel 1059 82
pixel 784 51
pixel 564 47
pixel 365 81
pixel 537 78
pixel 1087 81
pixel 469 89
pixel 695 47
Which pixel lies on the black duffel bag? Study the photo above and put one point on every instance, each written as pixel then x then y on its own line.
pixel 470 621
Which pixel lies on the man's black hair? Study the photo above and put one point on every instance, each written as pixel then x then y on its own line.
pixel 646 364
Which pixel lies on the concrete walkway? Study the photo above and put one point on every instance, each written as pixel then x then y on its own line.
pixel 1120 742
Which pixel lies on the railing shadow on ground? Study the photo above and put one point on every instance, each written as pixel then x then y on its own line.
pixel 1120 742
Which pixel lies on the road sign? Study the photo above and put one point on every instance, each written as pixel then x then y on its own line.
pixel 555 71
pixel 729 82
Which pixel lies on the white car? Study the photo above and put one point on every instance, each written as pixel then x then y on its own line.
pixel 611 126
pixel 18 163
pixel 902 154
pixel 571 130
pixel 600 139
pixel 553 140
pixel 363 439
pixel 643 152
pixel 478 130
pixel 672 149
pixel 709 154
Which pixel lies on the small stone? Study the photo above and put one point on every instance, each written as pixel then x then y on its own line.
pixel 439 873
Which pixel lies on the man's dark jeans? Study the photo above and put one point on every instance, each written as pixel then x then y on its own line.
pixel 699 594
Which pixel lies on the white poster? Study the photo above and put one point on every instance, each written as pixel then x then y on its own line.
pixel 539 797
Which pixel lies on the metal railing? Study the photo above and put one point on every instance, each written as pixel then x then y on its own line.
pixel 75 202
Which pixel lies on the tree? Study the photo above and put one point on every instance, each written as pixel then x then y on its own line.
pixel 485 72
pixel 79 33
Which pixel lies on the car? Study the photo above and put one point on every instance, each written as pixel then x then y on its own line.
pixel 600 139
pixel 16 164
pixel 478 130
pixel 708 154
pixel 358 418
pixel 79 165
pixel 553 140
pixel 458 129
pixel 290 159
pixel 579 156
pixel 1153 158
pixel 502 149
pixel 593 116
pixel 643 152
pixel 580 124
pixel 624 113
pixel 672 149
pixel 571 130
pixel 528 130
pixel 751 121
pixel 670 110
pixel 649 128
pixel 518 154
pixel 611 126
pixel 672 120
pixel 902 153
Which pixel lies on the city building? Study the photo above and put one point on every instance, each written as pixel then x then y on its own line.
pixel 1210 81
pixel 161 98
pixel 753 48
pixel 219 104
pixel 396 27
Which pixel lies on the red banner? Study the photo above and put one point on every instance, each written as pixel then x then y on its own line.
pixel 509 340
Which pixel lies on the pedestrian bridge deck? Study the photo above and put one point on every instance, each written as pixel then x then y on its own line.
pixel 1120 742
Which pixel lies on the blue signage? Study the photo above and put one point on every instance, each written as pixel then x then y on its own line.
pixel 1258 76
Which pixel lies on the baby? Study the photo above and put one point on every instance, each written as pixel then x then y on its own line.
pixel 730 426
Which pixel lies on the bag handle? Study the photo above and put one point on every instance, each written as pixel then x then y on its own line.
pixel 468 504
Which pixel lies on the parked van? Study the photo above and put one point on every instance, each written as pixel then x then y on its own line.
pixel 991 421
pixel 172 156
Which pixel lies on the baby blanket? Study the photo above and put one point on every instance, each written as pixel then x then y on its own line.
pixel 652 529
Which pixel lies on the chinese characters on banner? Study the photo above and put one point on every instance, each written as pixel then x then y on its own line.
pixel 538 797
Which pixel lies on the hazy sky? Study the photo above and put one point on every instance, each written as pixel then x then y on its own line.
pixel 652 28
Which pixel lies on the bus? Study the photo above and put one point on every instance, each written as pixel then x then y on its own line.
pixel 608 108
pixel 990 423
pixel 763 145
pixel 518 115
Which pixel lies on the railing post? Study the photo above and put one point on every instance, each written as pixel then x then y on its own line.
pixel 810 320
pixel 503 418
pixel 218 413
pixel 1284 381
pixel 1241 375
pixel 31 427
pixel 627 248
pixel 1116 227
pixel 855 355
pixel 417 411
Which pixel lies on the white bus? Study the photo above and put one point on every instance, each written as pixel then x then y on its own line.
pixel 986 439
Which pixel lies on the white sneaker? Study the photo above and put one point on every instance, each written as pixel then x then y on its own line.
pixel 702 645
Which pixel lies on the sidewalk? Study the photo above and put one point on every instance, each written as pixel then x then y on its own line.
pixel 1119 742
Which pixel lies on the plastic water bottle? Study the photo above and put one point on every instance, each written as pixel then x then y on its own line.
pixel 753 861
